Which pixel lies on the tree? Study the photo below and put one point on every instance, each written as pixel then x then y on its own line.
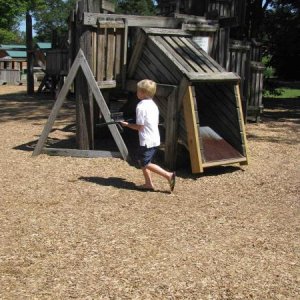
pixel 282 28
pixel 52 16
pixel 136 7
pixel 10 13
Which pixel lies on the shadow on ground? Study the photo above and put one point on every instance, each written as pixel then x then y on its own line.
pixel 117 182
pixel 281 109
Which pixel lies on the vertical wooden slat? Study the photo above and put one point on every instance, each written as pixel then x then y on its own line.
pixel 110 52
pixel 171 123
pixel 241 121
pixel 101 53
pixel 137 53
pixel 94 52
pixel 192 131
pixel 124 51
pixel 118 51
pixel 30 58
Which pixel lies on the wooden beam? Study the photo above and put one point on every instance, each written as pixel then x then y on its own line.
pixel 81 61
pixel 103 107
pixel 241 121
pixel 108 5
pixel 162 90
pixel 199 27
pixel 213 77
pixel 80 153
pixel 240 161
pixel 58 104
pixel 134 21
pixel 192 132
pixel 166 31
pixel 103 23
pixel 137 53
pixel 30 57
pixel 107 84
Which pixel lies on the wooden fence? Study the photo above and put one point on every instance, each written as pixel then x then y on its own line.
pixel 57 62
pixel 255 105
pixel 239 62
pixel 10 76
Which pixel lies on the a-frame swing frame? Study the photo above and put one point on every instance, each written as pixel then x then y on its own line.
pixel 80 61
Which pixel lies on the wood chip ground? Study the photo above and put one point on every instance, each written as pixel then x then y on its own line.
pixel 78 228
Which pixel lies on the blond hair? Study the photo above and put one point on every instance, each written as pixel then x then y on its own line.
pixel 147 87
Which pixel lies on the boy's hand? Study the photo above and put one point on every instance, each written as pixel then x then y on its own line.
pixel 123 123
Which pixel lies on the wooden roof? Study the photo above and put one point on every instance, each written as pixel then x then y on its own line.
pixel 177 46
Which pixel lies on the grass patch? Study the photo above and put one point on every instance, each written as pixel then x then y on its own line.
pixel 283 93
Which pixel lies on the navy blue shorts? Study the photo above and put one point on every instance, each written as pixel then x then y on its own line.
pixel 145 155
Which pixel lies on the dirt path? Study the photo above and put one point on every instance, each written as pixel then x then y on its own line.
pixel 78 228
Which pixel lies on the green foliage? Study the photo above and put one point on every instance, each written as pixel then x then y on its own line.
pixel 282 27
pixel 269 71
pixel 136 7
pixel 11 13
pixel 53 16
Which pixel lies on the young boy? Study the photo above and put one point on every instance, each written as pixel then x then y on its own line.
pixel 147 117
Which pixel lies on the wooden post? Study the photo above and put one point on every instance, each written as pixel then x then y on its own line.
pixel 192 131
pixel 84 98
pixel 29 45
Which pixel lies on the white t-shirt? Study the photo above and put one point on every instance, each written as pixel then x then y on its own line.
pixel 147 114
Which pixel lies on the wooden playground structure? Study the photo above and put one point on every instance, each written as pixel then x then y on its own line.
pixel 203 77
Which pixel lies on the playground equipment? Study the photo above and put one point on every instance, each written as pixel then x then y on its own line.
pixel 198 96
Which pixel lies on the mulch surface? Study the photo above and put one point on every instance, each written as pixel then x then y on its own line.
pixel 79 228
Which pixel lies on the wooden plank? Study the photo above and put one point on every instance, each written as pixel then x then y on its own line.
pixel 219 116
pixel 162 104
pixel 101 54
pixel 156 74
pixel 215 147
pixel 175 52
pixel 209 61
pixel 112 23
pixel 103 107
pixel 171 124
pixel 180 48
pixel 159 65
pixel 133 20
pixel 124 51
pixel 214 77
pixel 182 90
pixel 192 132
pixel 196 56
pixel 165 61
pixel 194 18
pixel 30 57
pixel 80 153
pixel 167 32
pixel 107 84
pixel 118 57
pixel 58 103
pixel 110 54
pixel 241 161
pixel 242 124
pixel 136 54
pixel 221 110
pixel 94 52
pixel 108 5
pixel 162 90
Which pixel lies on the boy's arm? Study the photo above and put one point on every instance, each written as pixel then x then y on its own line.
pixel 132 126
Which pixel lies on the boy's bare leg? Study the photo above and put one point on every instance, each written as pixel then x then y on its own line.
pixel 160 171
pixel 148 180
